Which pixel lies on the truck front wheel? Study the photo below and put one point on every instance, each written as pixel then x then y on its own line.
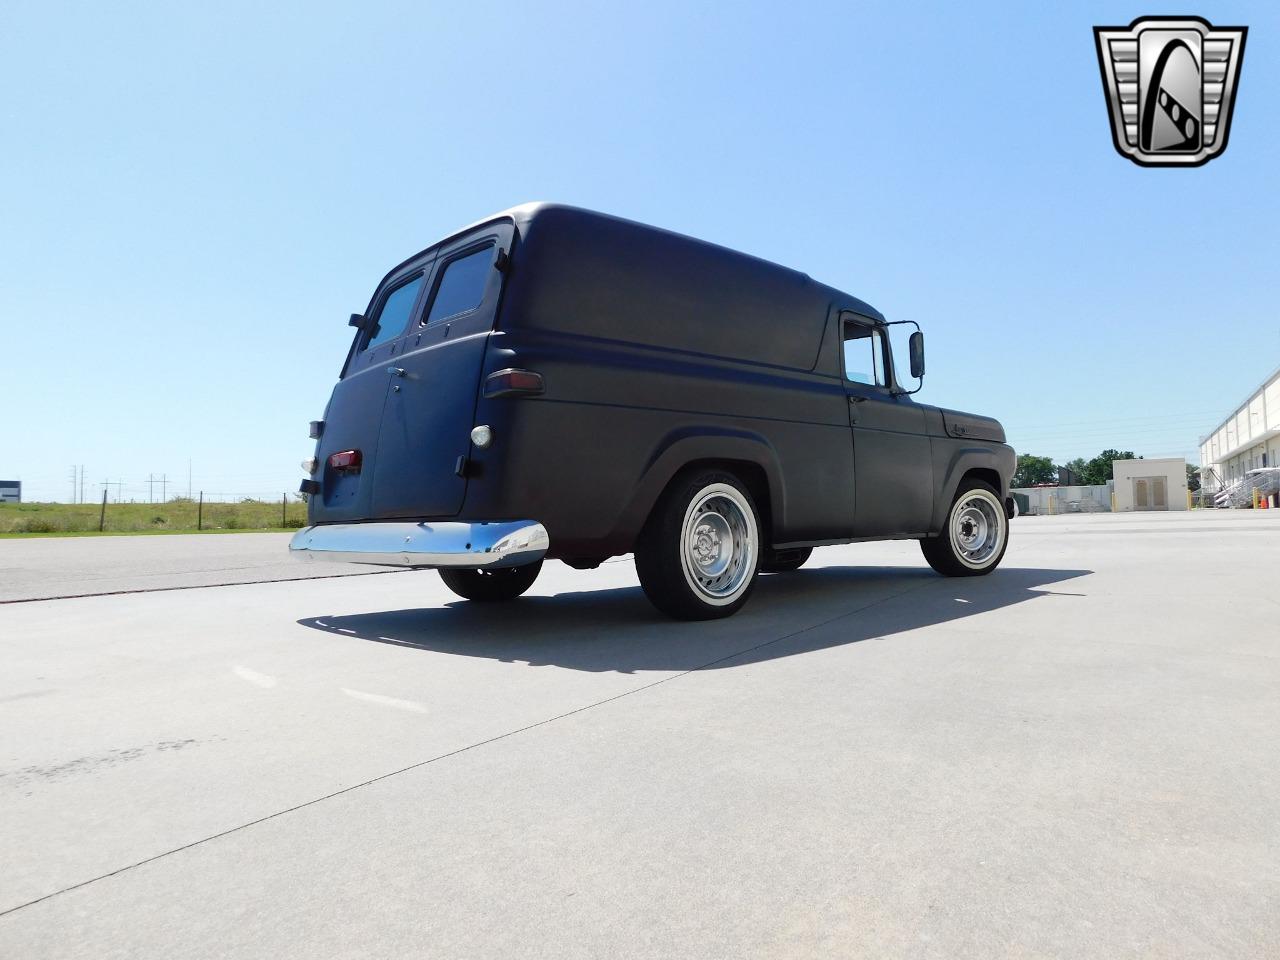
pixel 976 534
pixel 698 554
pixel 491 586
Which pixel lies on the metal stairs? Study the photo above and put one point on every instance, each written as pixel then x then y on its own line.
pixel 1265 480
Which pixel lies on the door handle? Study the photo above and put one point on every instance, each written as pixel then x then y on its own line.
pixel 855 399
pixel 397 371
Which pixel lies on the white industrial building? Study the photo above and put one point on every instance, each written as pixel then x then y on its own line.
pixel 10 491
pixel 1156 484
pixel 1249 439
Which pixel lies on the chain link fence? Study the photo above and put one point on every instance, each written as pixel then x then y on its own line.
pixel 1049 501
pixel 198 513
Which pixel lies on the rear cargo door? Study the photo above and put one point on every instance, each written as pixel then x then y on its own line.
pixel 432 381
pixel 354 415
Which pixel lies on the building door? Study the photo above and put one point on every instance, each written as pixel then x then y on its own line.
pixel 1159 494
pixel 1150 493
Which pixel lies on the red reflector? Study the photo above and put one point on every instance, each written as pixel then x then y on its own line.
pixel 345 461
pixel 509 382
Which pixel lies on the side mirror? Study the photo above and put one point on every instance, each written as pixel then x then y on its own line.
pixel 358 320
pixel 915 346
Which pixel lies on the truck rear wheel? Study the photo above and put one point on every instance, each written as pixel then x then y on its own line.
pixel 491 586
pixel 975 536
pixel 698 555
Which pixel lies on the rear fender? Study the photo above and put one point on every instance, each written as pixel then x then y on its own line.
pixel 679 448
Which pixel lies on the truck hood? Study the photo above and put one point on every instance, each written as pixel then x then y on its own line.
pixel 971 426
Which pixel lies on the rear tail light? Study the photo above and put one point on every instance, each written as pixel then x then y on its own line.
pixel 345 461
pixel 511 382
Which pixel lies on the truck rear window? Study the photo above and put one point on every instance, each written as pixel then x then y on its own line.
pixel 462 285
pixel 394 315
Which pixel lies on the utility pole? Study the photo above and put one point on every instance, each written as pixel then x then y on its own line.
pixel 151 489
pixel 73 484
pixel 164 481
pixel 82 483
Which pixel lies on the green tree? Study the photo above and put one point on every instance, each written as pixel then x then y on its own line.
pixel 1098 470
pixel 1032 470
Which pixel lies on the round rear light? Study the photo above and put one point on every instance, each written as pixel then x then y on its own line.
pixel 481 436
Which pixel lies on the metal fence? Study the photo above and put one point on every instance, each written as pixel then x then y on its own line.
pixel 1046 501
pixel 201 512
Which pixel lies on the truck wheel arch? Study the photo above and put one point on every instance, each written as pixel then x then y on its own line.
pixel 747 454
pixel 965 462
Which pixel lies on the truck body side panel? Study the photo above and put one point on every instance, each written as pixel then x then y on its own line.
pixel 590 456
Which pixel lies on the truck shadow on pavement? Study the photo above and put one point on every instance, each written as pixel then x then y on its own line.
pixel 617 630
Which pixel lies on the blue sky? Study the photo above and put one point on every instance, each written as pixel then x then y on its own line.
pixel 194 197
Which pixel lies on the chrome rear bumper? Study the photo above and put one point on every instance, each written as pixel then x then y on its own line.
pixel 398 543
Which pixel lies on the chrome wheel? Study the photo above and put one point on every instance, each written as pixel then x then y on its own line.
pixel 977 528
pixel 718 544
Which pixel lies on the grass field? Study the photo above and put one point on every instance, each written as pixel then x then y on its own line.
pixel 174 516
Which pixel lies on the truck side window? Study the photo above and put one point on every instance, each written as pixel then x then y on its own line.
pixel 394 315
pixel 461 286
pixel 864 355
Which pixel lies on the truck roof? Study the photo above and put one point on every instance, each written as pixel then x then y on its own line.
pixel 592 274
pixel 526 213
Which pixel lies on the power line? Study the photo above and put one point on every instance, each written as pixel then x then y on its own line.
pixel 1143 428
pixel 1198 415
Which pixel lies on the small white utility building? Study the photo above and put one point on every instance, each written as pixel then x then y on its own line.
pixel 1150 484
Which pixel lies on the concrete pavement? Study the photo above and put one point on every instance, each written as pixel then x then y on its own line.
pixel 1072 757
pixel 47 567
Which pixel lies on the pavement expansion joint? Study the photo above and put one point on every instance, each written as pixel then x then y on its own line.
pixel 200 586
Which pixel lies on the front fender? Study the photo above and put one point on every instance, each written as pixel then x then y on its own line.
pixel 957 460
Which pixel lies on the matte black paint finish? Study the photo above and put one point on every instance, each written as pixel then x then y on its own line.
pixel 657 351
